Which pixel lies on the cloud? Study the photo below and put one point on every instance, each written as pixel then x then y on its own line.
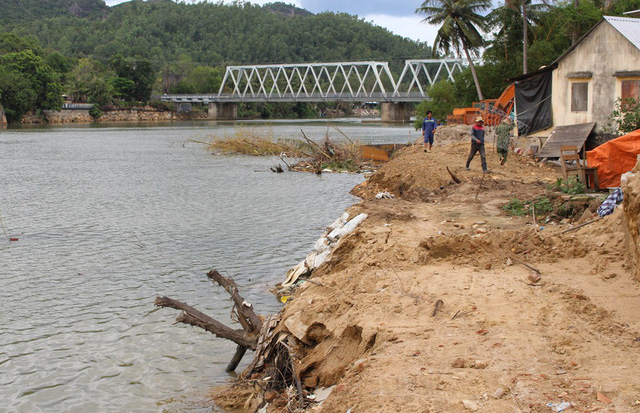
pixel 405 26
pixel 363 7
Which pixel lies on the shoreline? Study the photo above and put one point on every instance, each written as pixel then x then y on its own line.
pixel 425 306
pixel 144 114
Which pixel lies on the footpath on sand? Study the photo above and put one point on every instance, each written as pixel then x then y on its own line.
pixel 427 306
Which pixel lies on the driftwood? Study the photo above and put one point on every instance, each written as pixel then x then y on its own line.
pixel 274 350
pixel 579 226
pixel 439 304
pixel 524 264
pixel 455 178
pixel 480 186
pixel 196 318
pixel 246 338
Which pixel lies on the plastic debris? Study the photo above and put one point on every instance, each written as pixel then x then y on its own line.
pixel 323 248
pixel 385 195
pixel 347 228
pixel 559 407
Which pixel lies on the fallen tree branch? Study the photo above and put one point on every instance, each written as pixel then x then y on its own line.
pixel 455 178
pixel 537 271
pixel 236 359
pixel 439 304
pixel 579 226
pixel 197 318
pixel 248 319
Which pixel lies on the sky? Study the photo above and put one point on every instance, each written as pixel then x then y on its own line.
pixel 398 16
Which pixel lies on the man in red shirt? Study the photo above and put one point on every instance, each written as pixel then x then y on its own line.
pixel 477 144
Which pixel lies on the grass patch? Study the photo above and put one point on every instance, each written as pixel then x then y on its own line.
pixel 250 142
pixel 518 207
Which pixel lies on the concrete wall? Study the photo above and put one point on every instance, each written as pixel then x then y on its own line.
pixel 67 116
pixel 146 114
pixel 396 112
pixel 223 111
pixel 604 52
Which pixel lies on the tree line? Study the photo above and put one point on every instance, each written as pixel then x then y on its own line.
pixel 514 38
pixel 122 55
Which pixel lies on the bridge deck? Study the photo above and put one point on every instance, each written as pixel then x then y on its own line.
pixel 289 97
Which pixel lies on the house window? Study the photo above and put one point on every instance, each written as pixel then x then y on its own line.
pixel 630 90
pixel 579 95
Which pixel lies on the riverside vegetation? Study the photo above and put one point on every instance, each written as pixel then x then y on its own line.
pixel 297 154
pixel 122 55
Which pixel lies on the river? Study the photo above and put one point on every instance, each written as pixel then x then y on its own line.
pixel 108 217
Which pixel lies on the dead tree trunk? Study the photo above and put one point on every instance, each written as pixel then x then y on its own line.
pixel 246 338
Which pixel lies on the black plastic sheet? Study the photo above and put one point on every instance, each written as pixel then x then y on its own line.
pixel 533 102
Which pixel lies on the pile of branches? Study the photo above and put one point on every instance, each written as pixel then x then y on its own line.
pixel 297 154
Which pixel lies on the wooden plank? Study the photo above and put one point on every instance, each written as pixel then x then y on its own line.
pixel 574 135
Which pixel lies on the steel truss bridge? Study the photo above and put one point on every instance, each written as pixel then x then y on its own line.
pixel 317 82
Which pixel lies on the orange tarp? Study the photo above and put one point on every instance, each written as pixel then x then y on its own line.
pixel 615 158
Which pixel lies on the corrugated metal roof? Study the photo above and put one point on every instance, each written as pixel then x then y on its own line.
pixel 629 27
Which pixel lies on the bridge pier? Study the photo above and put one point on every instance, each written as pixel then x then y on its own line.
pixel 223 111
pixel 396 112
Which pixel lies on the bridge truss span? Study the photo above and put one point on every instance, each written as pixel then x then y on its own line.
pixel 339 81
pixel 308 82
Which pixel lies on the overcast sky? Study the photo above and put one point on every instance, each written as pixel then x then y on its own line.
pixel 396 15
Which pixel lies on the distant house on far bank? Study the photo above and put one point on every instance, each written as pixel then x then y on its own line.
pixel 584 83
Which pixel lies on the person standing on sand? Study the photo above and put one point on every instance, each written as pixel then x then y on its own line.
pixel 429 125
pixel 503 132
pixel 477 144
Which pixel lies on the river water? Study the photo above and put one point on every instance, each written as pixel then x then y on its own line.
pixel 107 218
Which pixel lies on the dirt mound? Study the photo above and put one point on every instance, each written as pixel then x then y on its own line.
pixel 441 302
pixel 417 175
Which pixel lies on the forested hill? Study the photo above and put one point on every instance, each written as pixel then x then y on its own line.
pixel 164 32
pixel 28 10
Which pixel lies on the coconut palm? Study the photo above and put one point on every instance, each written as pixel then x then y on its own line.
pixel 503 21
pixel 460 26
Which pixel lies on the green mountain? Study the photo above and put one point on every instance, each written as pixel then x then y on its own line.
pixel 28 10
pixel 213 34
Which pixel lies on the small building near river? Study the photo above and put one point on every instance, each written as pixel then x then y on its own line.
pixel 598 70
pixel 585 82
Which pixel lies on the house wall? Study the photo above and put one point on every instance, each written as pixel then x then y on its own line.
pixel 604 52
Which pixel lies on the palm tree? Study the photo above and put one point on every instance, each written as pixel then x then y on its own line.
pixel 460 25
pixel 503 19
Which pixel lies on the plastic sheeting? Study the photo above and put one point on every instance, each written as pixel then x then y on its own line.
pixel 533 103
pixel 615 158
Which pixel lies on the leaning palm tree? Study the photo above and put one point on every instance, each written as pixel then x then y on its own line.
pixel 460 25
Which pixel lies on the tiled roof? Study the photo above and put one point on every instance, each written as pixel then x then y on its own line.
pixel 629 27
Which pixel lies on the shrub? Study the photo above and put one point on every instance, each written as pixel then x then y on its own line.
pixel 95 112
pixel 625 117
pixel 571 186
pixel 164 106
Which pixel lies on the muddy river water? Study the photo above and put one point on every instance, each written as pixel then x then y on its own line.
pixel 108 217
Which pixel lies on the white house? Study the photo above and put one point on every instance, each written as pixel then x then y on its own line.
pixel 600 68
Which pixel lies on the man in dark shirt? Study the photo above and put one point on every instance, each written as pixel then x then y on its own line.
pixel 477 144
pixel 429 125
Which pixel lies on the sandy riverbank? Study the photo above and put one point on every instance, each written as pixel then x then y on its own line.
pixel 500 340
